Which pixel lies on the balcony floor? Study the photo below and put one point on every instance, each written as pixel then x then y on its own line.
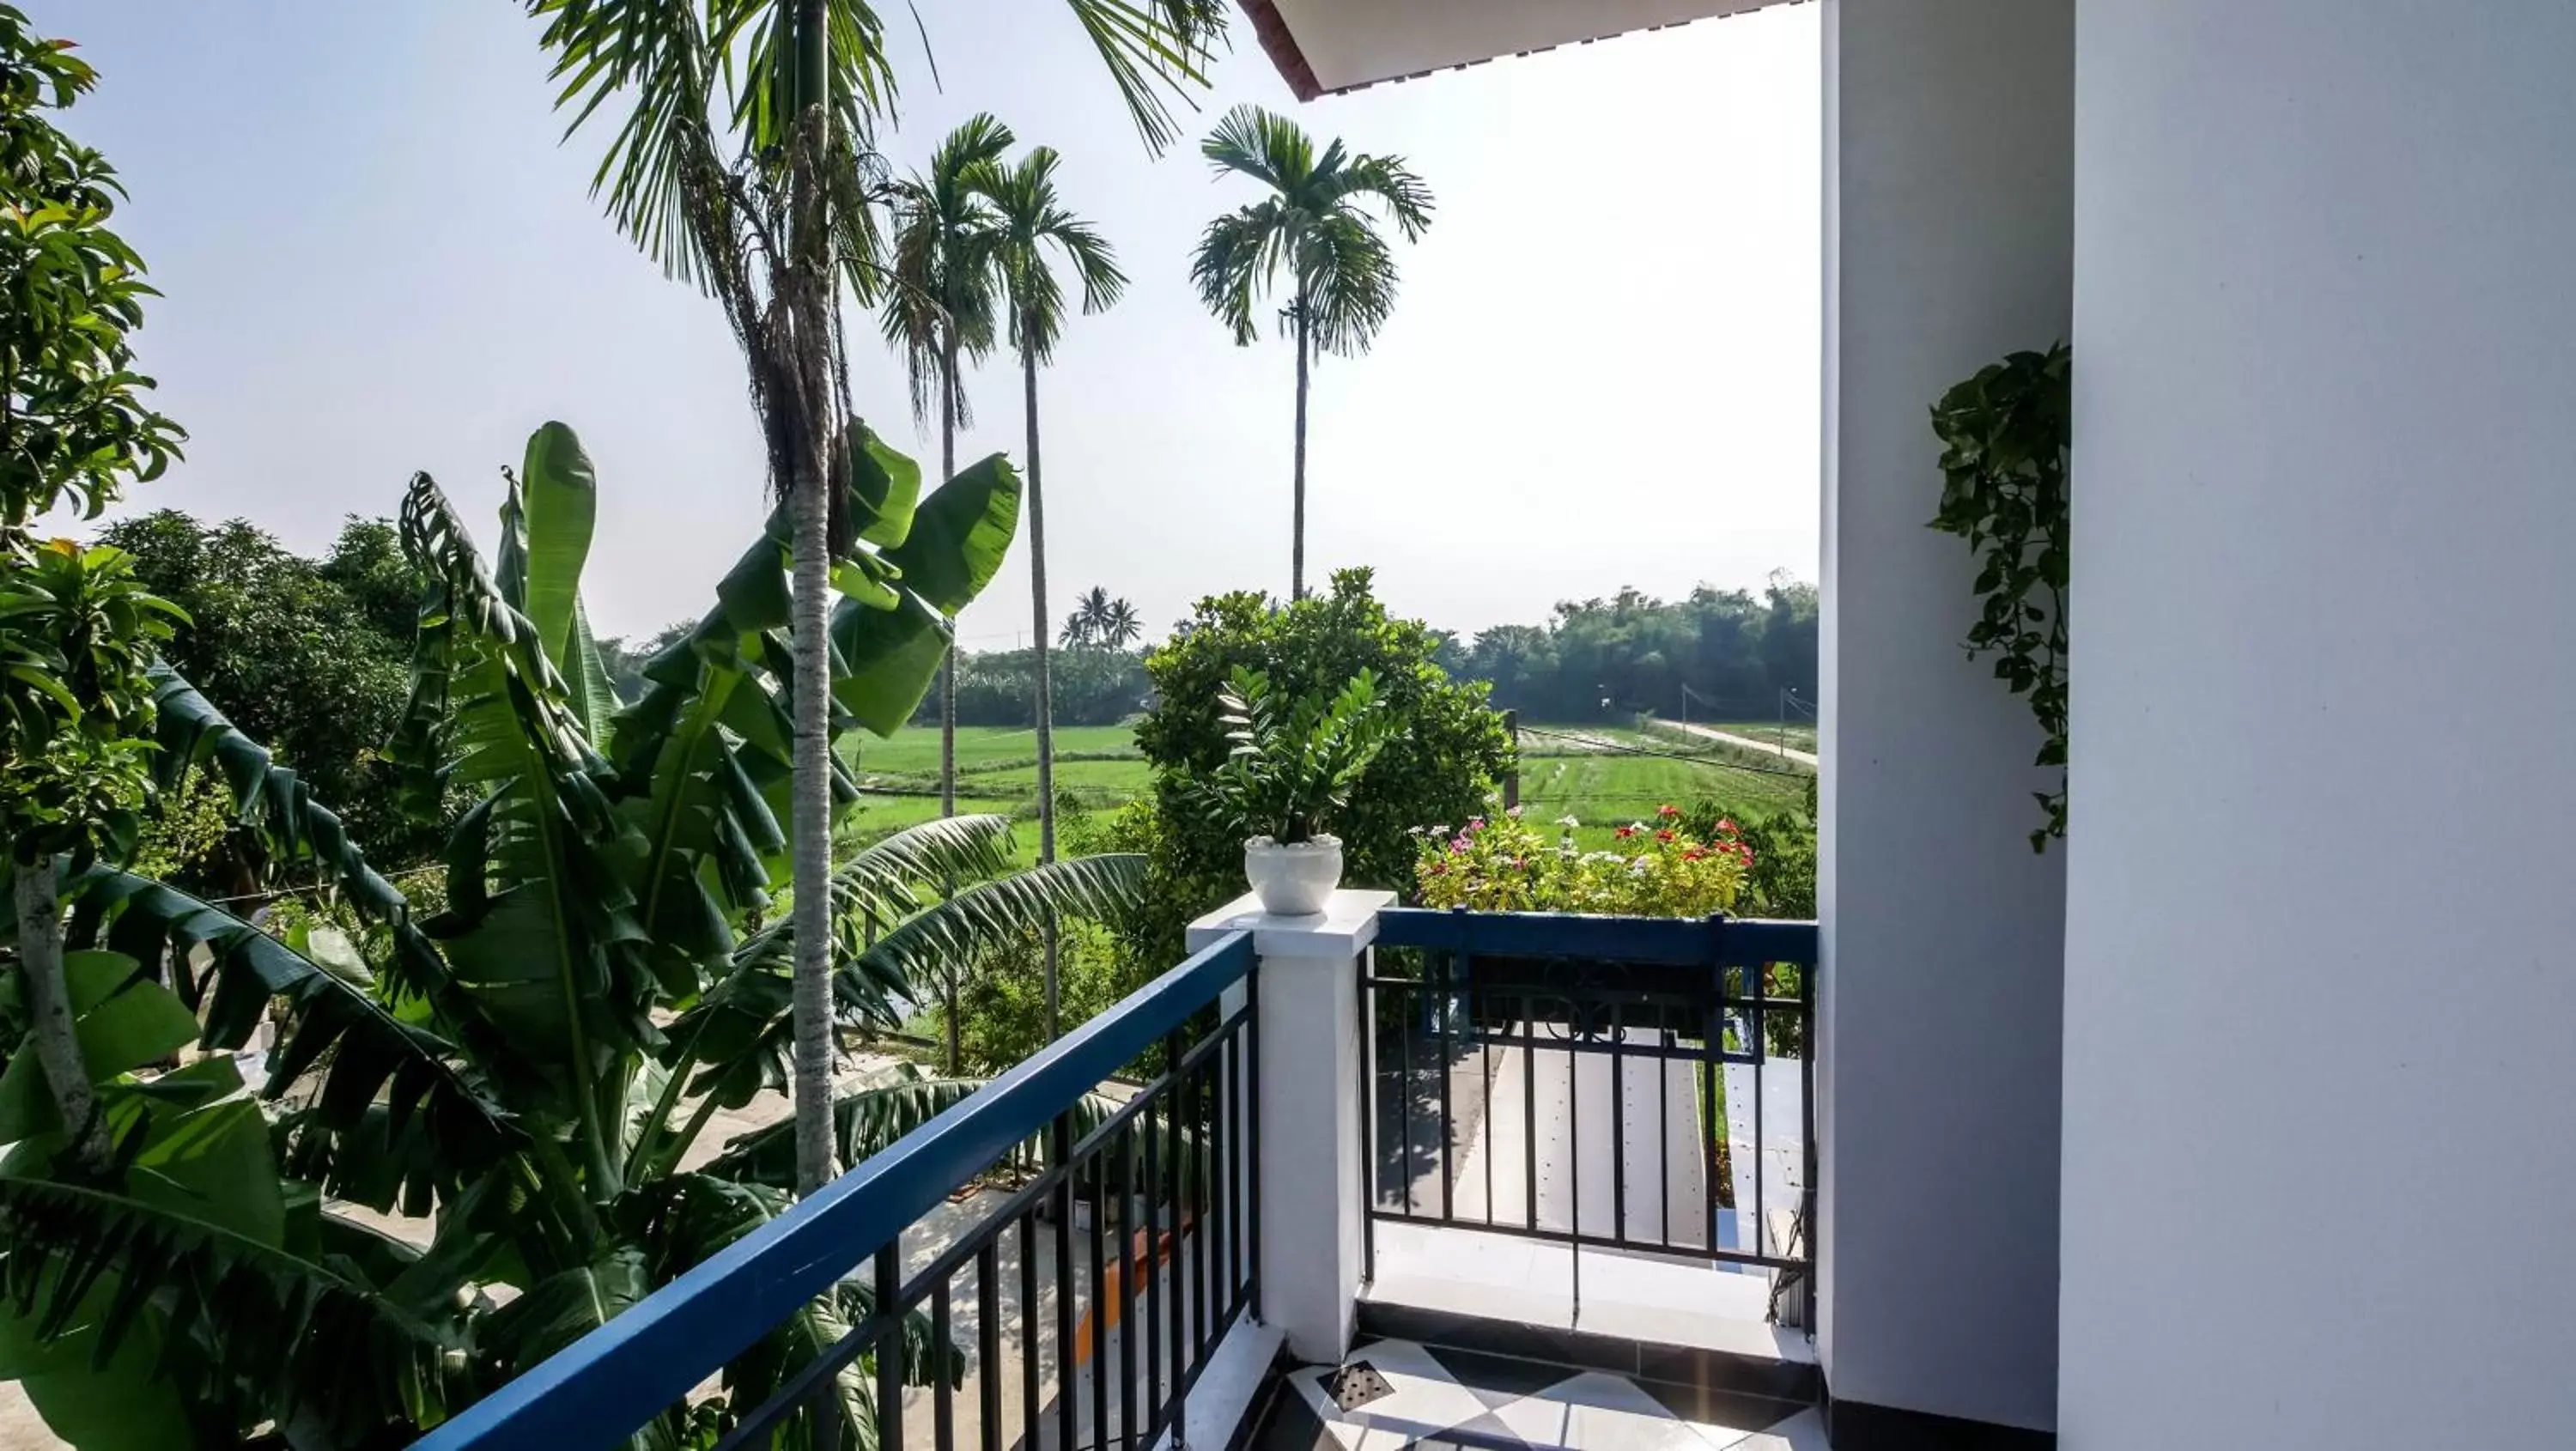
pixel 1435 1398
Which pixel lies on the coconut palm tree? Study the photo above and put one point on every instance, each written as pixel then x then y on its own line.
pixel 1092 616
pixel 1122 627
pixel 1034 227
pixel 1319 226
pixel 742 162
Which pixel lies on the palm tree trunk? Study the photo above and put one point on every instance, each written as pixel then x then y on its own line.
pixel 40 955
pixel 1045 680
pixel 948 664
pixel 811 830
pixel 1297 529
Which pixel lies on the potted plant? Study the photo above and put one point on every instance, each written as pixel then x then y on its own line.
pixel 1288 776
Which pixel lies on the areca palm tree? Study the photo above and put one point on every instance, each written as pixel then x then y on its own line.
pixel 1315 237
pixel 1032 227
pixel 743 161
pixel 1092 616
pixel 939 310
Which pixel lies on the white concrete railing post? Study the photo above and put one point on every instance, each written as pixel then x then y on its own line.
pixel 1308 1130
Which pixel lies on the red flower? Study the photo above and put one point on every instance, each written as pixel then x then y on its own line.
pixel 1747 853
pixel 1726 825
pixel 1693 854
pixel 1664 835
pixel 1668 810
pixel 1625 832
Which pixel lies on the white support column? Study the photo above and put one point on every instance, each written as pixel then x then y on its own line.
pixel 2319 1144
pixel 1948 243
pixel 1308 1131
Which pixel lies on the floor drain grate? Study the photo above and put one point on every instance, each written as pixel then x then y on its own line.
pixel 1355 1385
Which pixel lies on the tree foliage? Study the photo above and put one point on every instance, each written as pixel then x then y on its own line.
pixel 1444 752
pixel 309 656
pixel 1717 653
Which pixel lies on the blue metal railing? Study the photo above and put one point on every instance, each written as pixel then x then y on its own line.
pixel 613 1381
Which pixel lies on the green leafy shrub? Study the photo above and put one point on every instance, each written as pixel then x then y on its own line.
pixel 1781 879
pixel 1295 760
pixel 1445 749
pixel 1657 869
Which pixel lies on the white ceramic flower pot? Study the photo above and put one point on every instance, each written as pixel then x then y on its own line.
pixel 1294 879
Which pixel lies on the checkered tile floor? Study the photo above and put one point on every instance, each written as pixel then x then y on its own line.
pixel 1436 1398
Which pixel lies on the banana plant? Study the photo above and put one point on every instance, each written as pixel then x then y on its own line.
pixel 529 1066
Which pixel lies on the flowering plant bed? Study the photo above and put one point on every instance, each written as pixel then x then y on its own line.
pixel 1657 868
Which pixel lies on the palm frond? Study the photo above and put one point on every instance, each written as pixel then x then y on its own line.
pixel 1387 180
pixel 1232 267
pixel 99 1258
pixel 1154 50
pixel 1348 277
pixel 1262 144
pixel 942 939
pixel 371 1060
pixel 879 886
pixel 1034 222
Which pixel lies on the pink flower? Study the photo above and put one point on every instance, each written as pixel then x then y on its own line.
pixel 1475 823
pixel 1726 825
pixel 1668 810
pixel 1747 853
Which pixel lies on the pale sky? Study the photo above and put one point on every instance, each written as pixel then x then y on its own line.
pixel 1602 368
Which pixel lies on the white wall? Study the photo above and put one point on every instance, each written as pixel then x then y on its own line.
pixel 2320 1167
pixel 1948 154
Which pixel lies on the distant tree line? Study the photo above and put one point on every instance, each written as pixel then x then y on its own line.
pixel 1716 652
pixel 1091 686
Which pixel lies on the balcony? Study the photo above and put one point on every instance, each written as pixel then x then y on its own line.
pixel 1378 1177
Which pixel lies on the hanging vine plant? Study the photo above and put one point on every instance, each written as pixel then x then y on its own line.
pixel 2003 489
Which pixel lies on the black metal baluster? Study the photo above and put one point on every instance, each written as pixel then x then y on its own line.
pixel 1760 1045
pixel 889 1315
pixel 1195 1115
pixel 1807 1115
pixel 1404 1098
pixel 1372 1193
pixel 1029 1381
pixel 1068 1407
pixel 1618 1123
pixel 1485 1067
pixel 1220 1156
pixel 988 1345
pixel 1252 1123
pixel 1152 1272
pixel 1448 1122
pixel 1128 1200
pixel 1710 1126
pixel 1574 1162
pixel 943 1342
pixel 1664 1121
pixel 1178 1287
pixel 1529 1106
pixel 1096 1165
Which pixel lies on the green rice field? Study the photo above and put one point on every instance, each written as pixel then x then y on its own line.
pixel 1590 777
